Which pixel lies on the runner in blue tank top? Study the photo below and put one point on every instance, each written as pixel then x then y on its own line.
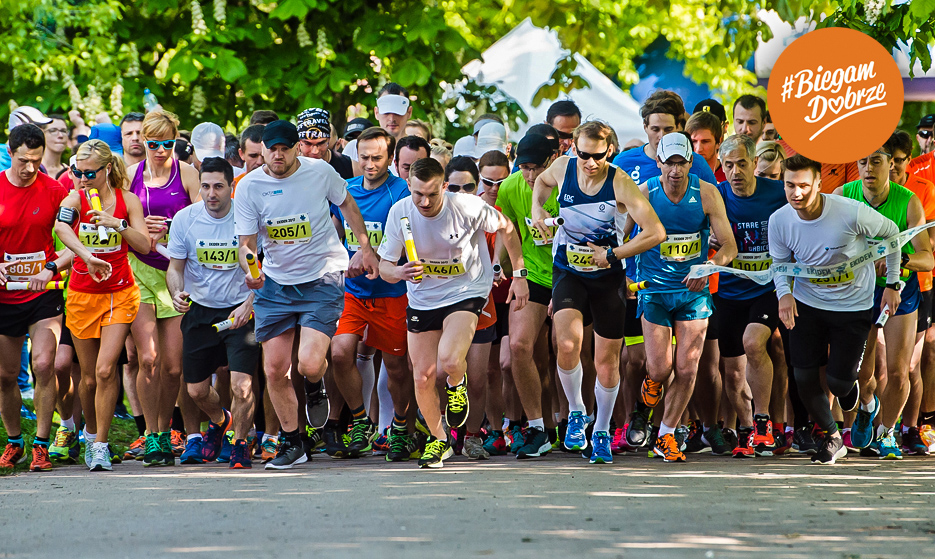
pixel 689 208
pixel 588 274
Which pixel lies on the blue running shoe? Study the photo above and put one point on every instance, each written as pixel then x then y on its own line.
pixel 193 452
pixel 224 457
pixel 862 429
pixel 889 450
pixel 518 438
pixel 214 438
pixel 575 436
pixel 601 444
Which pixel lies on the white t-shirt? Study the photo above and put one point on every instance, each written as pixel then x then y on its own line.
pixel 213 276
pixel 292 220
pixel 350 150
pixel 451 246
pixel 839 234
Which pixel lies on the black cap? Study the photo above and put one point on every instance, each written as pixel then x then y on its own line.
pixel 533 148
pixel 927 121
pixel 355 127
pixel 713 107
pixel 280 132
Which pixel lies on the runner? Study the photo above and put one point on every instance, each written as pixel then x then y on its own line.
pixel 588 272
pixel 207 286
pixel 707 133
pixel 828 318
pixel 689 208
pixel 284 211
pixel 447 231
pixel 315 141
pixel 103 299
pixel 749 113
pixel 29 200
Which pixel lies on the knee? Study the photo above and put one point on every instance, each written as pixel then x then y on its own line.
pixel 451 365
pixel 242 389
pixel 198 391
pixel 43 366
pixel 839 387
pixel 147 363
pixel 520 348
pixel 424 380
pixel 105 374
pixel 8 382
pixel 568 347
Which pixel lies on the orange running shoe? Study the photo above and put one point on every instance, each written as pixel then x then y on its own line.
pixel 178 442
pixel 40 459
pixel 651 392
pixel 268 449
pixel 136 450
pixel 12 455
pixel 667 447
pixel 763 440
pixel 745 443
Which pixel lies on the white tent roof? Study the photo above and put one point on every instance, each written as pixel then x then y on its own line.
pixel 524 59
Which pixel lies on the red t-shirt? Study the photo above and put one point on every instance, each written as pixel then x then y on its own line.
pixel 27 217
pixel 925 191
pixel 923 167
pixel 488 316
pixel 113 250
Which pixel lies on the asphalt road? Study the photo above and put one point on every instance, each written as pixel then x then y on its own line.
pixel 558 506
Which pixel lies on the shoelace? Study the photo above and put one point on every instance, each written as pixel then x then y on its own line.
pixel 576 421
pixel 101 453
pixel 398 443
pixel 669 445
pixel 653 388
pixel 152 444
pixel 434 448
pixel 61 437
pixel 457 400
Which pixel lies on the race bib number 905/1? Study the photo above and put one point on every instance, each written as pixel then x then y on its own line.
pixel 289 230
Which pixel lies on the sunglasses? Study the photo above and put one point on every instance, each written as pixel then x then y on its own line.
pixel 491 182
pixel 469 187
pixel 153 145
pixel 91 175
pixel 596 156
pixel 925 134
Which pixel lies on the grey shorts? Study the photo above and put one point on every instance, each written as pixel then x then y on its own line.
pixel 316 304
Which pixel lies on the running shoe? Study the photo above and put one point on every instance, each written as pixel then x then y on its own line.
pixel 619 444
pixel 745 446
pixel 136 450
pixel 862 429
pixel 576 436
pixel 314 440
pixel 288 456
pixel 832 448
pixel 782 443
pixel 12 455
pixel 335 446
pixel 846 437
pixel 763 441
pixel 474 448
pixel 887 447
pixel 114 457
pixel 681 436
pixel 601 454
pixel 912 442
pixel 536 444
pixel 227 446
pixel 666 447
pixel 27 413
pixel 803 440
pixel 177 440
pixel 193 454
pixel 268 449
pixel 101 458
pixel 402 446
pixel 40 459
pixel 121 412
pixel 436 452
pixel 517 438
pixel 363 431
pixel 653 435
pixel 927 434
pixel 560 430
pixel 714 437
pixel 382 445
pixel 317 406
pixel 850 400
pixel 166 448
pixel 695 441
pixel 214 438
pixel 495 445
pixel 456 439
pixel 65 446
pixel 638 428
pixel 456 411
pixel 651 392
pixel 730 437
pixel 240 456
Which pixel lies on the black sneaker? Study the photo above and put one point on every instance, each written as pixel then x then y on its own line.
pixel 317 406
pixel 730 437
pixel 832 448
pixel 537 444
pixel 456 411
pixel 638 428
pixel 363 431
pixel 695 441
pixel 850 400
pixel 436 452
pixel 562 428
pixel 715 438
pixel 402 446
pixel 314 440
pixel 334 443
pixel 803 442
pixel 289 455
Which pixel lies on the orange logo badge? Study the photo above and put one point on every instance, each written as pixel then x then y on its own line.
pixel 835 95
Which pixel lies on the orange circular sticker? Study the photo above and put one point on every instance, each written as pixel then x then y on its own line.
pixel 835 95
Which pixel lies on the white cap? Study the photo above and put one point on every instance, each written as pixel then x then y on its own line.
pixel 208 141
pixel 27 115
pixel 674 144
pixel 393 104
pixel 464 146
pixel 492 137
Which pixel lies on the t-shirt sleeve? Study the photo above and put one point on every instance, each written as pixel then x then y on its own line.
pixel 927 197
pixel 505 202
pixel 779 252
pixel 246 217
pixel 336 190
pixel 485 216
pixel 393 245
pixel 178 233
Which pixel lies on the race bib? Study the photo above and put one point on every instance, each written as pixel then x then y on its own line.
pixel 752 261
pixel 289 230
pixel 87 234
pixel 835 280
pixel 29 264
pixel 680 247
pixel 215 254
pixel 580 258
pixel 537 238
pixel 374 232
pixel 442 269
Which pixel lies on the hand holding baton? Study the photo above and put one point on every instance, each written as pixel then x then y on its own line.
pixel 410 243
pixel 95 200
pixel 226 324
pixel 24 285
pixel 252 266
pixel 638 286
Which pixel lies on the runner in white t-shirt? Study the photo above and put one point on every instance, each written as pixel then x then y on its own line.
pixel 448 287
pixel 283 208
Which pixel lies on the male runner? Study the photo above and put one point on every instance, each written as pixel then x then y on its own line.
pixel 749 113
pixel 448 287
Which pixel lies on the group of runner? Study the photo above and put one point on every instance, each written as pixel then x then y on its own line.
pixel 376 293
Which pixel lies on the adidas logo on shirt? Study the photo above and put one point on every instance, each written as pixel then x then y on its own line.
pixel 692 200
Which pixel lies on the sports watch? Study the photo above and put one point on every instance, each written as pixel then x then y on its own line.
pixel 521 273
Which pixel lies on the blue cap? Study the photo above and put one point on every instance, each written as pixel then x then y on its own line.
pixel 110 134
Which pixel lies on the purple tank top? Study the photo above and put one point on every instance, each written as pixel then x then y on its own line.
pixel 164 201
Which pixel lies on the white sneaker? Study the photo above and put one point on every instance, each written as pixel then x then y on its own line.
pixel 101 459
pixel 88 452
pixel 474 449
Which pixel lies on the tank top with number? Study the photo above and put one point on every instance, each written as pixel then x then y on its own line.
pixel 588 219
pixel 113 250
pixel 665 265
pixel 164 201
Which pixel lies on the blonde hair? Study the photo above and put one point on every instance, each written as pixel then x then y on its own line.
pixel 160 123
pixel 441 150
pixel 99 151
pixel 426 128
pixel 770 152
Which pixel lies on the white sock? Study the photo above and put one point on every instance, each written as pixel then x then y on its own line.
pixel 604 399
pixel 665 430
pixel 506 425
pixel 385 398
pixel 869 407
pixel 69 424
pixel 365 366
pixel 881 430
pixel 193 436
pixel 571 384
pixel 537 424
pixel 88 437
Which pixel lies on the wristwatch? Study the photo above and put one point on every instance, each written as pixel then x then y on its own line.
pixel 521 273
pixel 123 226
pixel 52 266
pixel 611 256
pixel 895 286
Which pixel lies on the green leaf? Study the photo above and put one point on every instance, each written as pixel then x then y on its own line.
pixel 410 72
pixel 291 8
pixel 922 9
pixel 230 67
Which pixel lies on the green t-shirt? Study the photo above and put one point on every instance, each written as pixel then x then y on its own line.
pixel 515 202
pixel 895 207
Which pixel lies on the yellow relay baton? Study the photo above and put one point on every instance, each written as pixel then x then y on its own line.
pixel 251 265
pixel 95 200
pixel 637 286
pixel 410 243
pixel 24 285
pixel 225 324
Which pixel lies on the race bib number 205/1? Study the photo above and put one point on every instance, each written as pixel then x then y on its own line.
pixel 289 230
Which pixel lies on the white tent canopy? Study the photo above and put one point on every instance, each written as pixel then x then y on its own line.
pixel 524 59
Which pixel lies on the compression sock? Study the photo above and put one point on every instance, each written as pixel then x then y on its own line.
pixel 140 424
pixel 365 366
pixel 605 399
pixel 571 384
pixel 384 396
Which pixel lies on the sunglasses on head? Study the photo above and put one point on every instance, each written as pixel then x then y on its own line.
pixel 91 175
pixel 925 134
pixel 153 145
pixel 596 156
pixel 491 182
pixel 469 187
